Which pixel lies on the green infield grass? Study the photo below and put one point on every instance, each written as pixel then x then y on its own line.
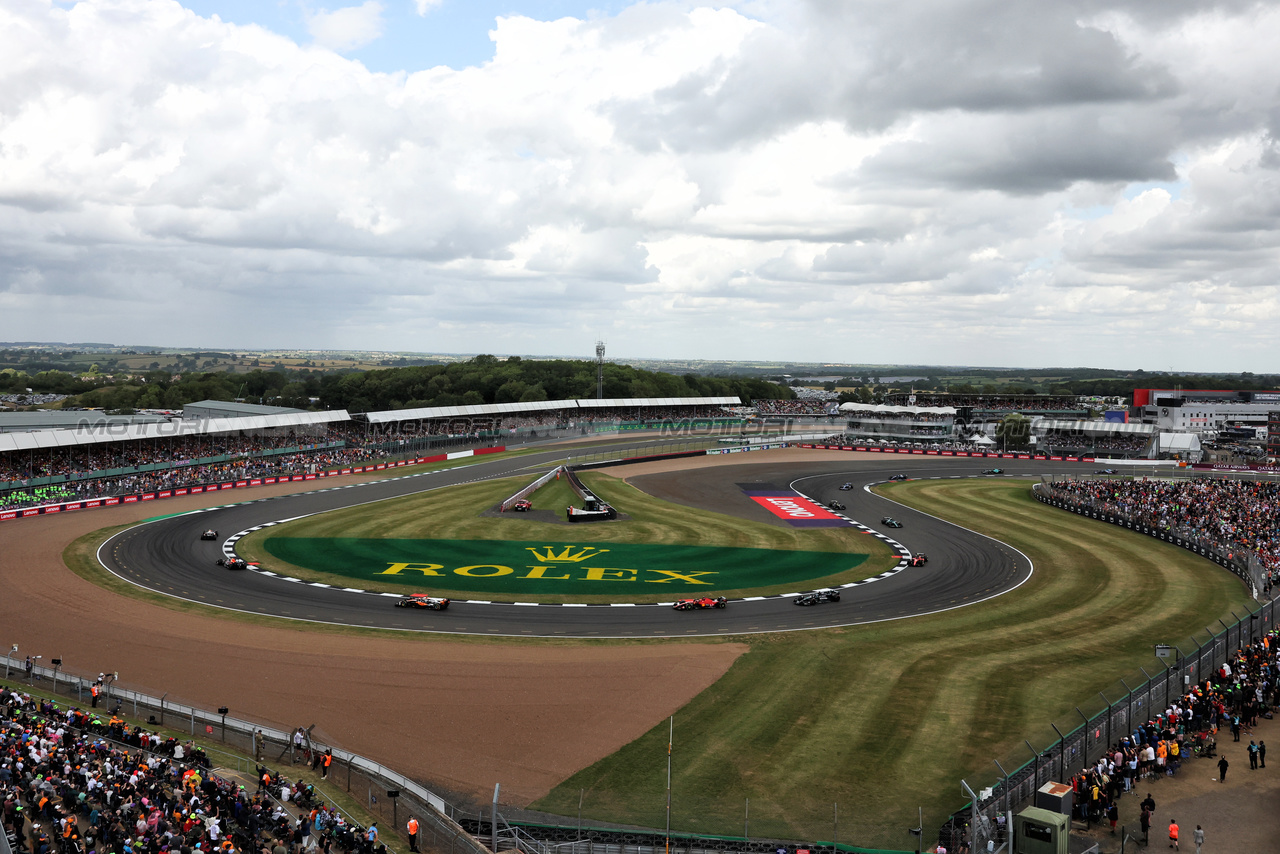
pixel 450 540
pixel 884 718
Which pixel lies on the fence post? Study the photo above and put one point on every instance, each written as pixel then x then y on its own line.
pixel 1062 753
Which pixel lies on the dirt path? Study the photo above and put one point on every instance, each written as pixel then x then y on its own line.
pixel 1239 815
pixel 460 716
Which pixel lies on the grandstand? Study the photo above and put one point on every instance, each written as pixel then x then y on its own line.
pixel 1096 438
pixel 988 406
pixel 111 457
pixel 912 423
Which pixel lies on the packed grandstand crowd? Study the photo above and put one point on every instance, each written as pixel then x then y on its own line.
pixel 989 402
pixel 1123 445
pixel 81 470
pixel 810 407
pixel 1240 513
pixel 74 781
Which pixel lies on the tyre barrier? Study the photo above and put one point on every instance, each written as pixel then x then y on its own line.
pixel 1225 561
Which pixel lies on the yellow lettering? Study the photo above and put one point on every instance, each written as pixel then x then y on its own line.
pixel 497 570
pixel 603 573
pixel 540 572
pixel 424 568
pixel 678 576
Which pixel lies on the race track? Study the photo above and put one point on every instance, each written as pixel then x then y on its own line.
pixel 167 556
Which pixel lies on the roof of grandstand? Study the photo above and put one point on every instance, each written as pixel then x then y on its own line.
pixel 97 433
pixel 231 409
pixel 886 409
pixel 68 419
pixel 487 409
pixel 1045 425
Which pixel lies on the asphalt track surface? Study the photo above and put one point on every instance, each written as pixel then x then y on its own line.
pixel 166 555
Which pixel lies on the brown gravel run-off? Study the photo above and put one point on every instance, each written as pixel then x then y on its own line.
pixel 460 716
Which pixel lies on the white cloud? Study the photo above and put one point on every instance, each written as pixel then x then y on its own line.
pixel 425 6
pixel 347 28
pixel 685 180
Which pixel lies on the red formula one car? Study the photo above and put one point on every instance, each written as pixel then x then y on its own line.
pixel 235 563
pixel 917 559
pixel 422 600
pixel 699 604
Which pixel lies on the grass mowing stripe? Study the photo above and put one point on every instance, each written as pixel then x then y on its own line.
pixel 886 717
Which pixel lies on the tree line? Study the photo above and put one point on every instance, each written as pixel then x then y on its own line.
pixel 482 380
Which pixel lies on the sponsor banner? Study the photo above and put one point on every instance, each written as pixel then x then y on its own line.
pixel 257 481
pixel 130 499
pixel 165 494
pixel 1223 467
pixel 111 501
pixel 56 508
pixel 457 455
pixel 225 486
pixel 240 483
pixel 272 479
pixel 348 471
pixel 196 490
pixel 380 466
pixel 76 506
pixel 496 449
pixel 32 512
pixel 150 496
pixel 798 511
pixel 9 514
pixel 97 502
pixel 436 458
pixel 308 477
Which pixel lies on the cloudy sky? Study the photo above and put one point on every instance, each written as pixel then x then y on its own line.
pixel 962 181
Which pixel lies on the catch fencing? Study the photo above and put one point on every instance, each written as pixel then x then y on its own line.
pixel 364 778
pixel 1079 744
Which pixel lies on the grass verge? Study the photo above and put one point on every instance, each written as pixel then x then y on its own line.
pixel 457 514
pixel 883 718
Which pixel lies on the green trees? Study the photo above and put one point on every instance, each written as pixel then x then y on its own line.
pixel 485 379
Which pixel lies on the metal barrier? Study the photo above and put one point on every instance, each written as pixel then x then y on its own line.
pixel 434 814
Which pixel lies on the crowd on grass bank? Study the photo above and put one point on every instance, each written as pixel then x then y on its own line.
pixel 1237 514
pixel 76 782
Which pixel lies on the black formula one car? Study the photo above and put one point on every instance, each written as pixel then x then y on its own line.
pixel 835 505
pixel 994 471
pixel 845 487
pixel 817 597
pixel 235 563
pixel 917 559
pixel 209 535
pixel 422 600
pixel 890 522
pixel 898 477
pixel 699 604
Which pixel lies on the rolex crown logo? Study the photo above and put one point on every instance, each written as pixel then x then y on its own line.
pixel 548 554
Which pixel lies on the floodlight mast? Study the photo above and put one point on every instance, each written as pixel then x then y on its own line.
pixel 599 370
